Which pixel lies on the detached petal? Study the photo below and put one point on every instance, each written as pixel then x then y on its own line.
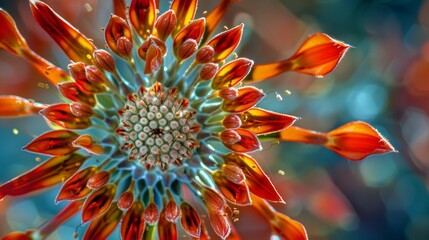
pixel 261 121
pixel 14 106
pixel 247 98
pixel 74 44
pixel 256 179
pixel 47 174
pixel 317 56
pixel 142 16
pixel 237 193
pixel 226 42
pixel 357 140
pixel 102 227
pixel 232 73
pixel 98 202
pixel 61 115
pixel 184 11
pixel 54 143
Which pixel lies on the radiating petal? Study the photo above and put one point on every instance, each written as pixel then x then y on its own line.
pixel 54 143
pixel 248 142
pixel 220 224
pixel 98 202
pixel 357 140
pixel 194 30
pixel 47 174
pixel 296 134
pixel 19 235
pixel 214 16
pixel 61 115
pixel 115 29
pixel 226 42
pixel 185 12
pixel 103 226
pixel 75 187
pixel 247 98
pixel 257 181
pixel 71 91
pixel 10 38
pixel 317 56
pixel 85 142
pixel 142 16
pixel 190 220
pixel 237 193
pixel 14 106
pixel 232 73
pixel 261 121
pixel 120 8
pixel 133 224
pixel 74 44
pixel 167 230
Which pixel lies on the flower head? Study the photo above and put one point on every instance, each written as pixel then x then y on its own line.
pixel 155 130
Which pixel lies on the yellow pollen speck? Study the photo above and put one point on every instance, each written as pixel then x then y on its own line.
pixel 225 27
pixel 279 97
pixel 78 164
pixel 75 235
pixel 15 131
pixel 43 85
pixel 88 7
pixel 235 55
pixel 281 172
pixel 157 11
pixel 288 92
pixel 205 12
pixel 63 179
pixel 275 142
pixel 235 219
pixel 38 159
pixel 88 56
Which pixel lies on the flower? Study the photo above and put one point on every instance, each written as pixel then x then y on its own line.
pixel 165 109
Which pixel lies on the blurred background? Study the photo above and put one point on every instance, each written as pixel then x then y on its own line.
pixel 383 80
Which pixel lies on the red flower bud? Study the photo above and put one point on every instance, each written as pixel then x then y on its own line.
pixel 205 54
pixel 98 180
pixel 229 136
pixel 81 110
pixel 165 24
pixel 232 121
pixel 125 200
pixel 187 49
pixel 151 213
pixel 208 71
pixel 104 60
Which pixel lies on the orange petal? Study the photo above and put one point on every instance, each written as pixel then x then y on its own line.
pixel 47 174
pixel 85 142
pixel 212 199
pixel 153 59
pixel 98 202
pixel 226 42
pixel 142 16
pixel 248 142
pixel 10 38
pixel 247 98
pixel 120 8
pixel 71 91
pixel 260 121
pixel 214 16
pixel 257 181
pixel 74 44
pixel 281 225
pixel 296 134
pixel 232 73
pixel 194 30
pixel 317 56
pixel 133 224
pixel 220 224
pixel 75 187
pixel 61 115
pixel 237 193
pixel 185 12
pixel 190 220
pixel 115 29
pixel 167 230
pixel 54 143
pixel 357 140
pixel 102 227
pixel 14 106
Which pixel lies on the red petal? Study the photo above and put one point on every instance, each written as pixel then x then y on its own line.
pixel 133 224
pixel 248 142
pixel 232 73
pixel 61 115
pixel 10 38
pixel 47 174
pixel 185 12
pixel 102 227
pixel 220 224
pixel 257 181
pixel 14 106
pixel 142 16
pixel 166 230
pixel 75 187
pixel 247 98
pixel 120 8
pixel 74 44
pixel 261 121
pixel 55 143
pixel 214 17
pixel 296 134
pixel 213 200
pixel 357 140
pixel 236 193
pixel 153 59
pixel 71 91
pixel 190 220
pixel 194 30
pixel 226 42
pixel 115 29
pixel 98 202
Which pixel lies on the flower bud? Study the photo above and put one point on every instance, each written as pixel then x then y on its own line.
pixel 172 211
pixel 205 54
pixel 208 71
pixel 125 200
pixel 165 24
pixel 77 70
pixel 104 60
pixel 124 47
pixel 151 214
pixel 98 180
pixel 229 136
pixel 187 49
pixel 94 75
pixel 228 93
pixel 214 201
pixel 81 110
pixel 231 121
pixel 233 173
